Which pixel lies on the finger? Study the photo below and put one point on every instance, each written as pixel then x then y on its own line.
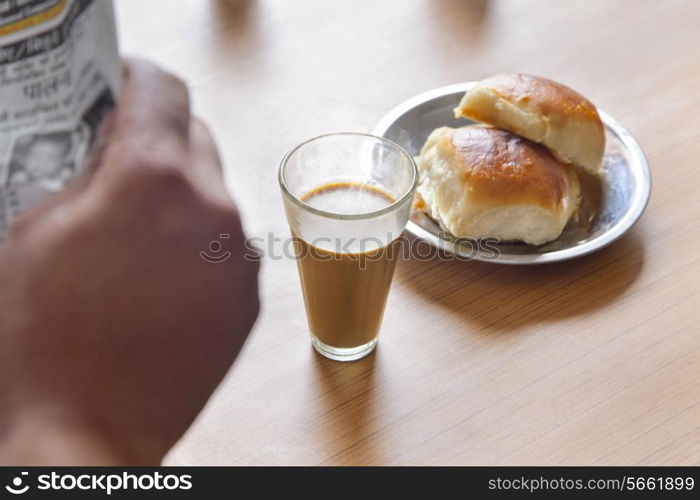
pixel 104 131
pixel 98 148
pixel 206 169
pixel 153 111
pixel 204 149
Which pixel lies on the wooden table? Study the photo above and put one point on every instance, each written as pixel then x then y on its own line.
pixel 595 361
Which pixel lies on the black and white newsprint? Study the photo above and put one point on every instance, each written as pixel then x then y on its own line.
pixel 59 75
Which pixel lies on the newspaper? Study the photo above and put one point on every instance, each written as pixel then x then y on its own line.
pixel 59 75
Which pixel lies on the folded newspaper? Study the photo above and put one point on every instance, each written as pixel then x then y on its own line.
pixel 59 75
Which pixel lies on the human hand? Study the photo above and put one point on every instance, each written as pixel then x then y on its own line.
pixel 114 331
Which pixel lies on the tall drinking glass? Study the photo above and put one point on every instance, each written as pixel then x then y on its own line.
pixel 348 198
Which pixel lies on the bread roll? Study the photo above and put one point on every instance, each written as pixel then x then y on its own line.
pixel 543 111
pixel 479 182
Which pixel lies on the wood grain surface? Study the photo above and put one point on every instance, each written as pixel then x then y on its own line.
pixel 594 361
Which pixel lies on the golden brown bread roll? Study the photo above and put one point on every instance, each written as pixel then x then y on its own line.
pixel 543 111
pixel 479 182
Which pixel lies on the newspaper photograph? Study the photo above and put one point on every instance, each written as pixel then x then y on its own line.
pixel 59 76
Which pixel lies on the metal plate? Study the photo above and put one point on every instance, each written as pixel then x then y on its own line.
pixel 624 190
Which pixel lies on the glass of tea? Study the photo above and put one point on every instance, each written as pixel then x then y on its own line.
pixel 348 197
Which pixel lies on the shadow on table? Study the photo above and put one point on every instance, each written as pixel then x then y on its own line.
pixel 453 29
pixel 347 395
pixel 243 33
pixel 461 17
pixel 501 298
pixel 238 8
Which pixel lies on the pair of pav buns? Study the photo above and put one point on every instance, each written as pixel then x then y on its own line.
pixel 514 178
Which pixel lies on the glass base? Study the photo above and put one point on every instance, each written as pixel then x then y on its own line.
pixel 343 353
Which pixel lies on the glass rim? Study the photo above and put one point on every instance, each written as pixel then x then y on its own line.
pixel 368 215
